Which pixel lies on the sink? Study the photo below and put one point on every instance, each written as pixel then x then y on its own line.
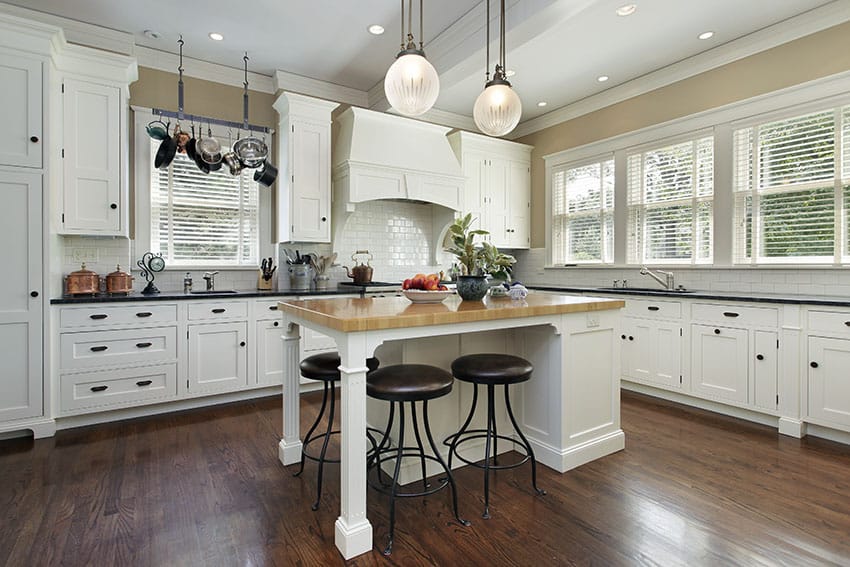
pixel 646 289
pixel 211 291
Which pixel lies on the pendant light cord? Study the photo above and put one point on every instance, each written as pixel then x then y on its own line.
pixel 502 37
pixel 487 44
pixel 421 33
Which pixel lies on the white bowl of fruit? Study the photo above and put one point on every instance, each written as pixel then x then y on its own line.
pixel 423 288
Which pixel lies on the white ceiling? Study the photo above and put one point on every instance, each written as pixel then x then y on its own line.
pixel 556 47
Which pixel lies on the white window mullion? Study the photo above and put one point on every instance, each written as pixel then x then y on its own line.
pixel 755 252
pixel 838 192
pixel 169 212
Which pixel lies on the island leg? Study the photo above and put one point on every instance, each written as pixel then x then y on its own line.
pixel 289 448
pixel 353 533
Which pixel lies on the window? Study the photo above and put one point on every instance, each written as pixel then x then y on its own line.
pixel 670 191
pixel 203 219
pixel 583 213
pixel 792 185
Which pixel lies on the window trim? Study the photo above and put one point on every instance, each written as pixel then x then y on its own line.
pixel 141 243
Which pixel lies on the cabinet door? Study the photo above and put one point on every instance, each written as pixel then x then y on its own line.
pixel 719 362
pixel 20 111
pixel 496 213
pixel 269 353
pixel 218 358
pixel 20 313
pixel 92 164
pixel 519 205
pixel 765 369
pixel 310 178
pixel 474 197
pixel 652 352
pixel 829 381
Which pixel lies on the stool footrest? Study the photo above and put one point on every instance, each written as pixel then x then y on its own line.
pixel 471 434
pixel 312 440
pixel 392 455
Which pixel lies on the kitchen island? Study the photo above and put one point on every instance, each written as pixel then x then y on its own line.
pixel 569 410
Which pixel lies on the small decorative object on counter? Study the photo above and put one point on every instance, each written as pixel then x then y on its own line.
pixel 477 260
pixel 82 282
pixel 518 291
pixel 264 277
pixel 119 282
pixel 320 265
pixel 187 283
pixel 361 273
pixel 149 265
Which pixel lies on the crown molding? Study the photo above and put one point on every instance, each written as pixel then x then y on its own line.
pixel 811 22
pixel 285 81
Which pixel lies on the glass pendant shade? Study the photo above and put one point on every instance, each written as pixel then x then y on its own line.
pixel 497 110
pixel 412 85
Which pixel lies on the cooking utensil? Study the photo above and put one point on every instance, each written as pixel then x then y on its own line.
pixel 210 150
pixel 82 281
pixel 158 130
pixel 166 152
pixel 232 162
pixel 361 273
pixel 250 151
pixel 266 175
pixel 119 282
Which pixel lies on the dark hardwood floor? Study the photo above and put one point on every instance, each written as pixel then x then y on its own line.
pixel 205 488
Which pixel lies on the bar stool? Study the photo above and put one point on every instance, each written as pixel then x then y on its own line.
pixel 398 384
pixel 491 370
pixel 324 367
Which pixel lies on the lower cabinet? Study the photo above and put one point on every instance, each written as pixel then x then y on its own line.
pixel 218 359
pixel 652 351
pixel 829 381
pixel 719 362
pixel 269 353
pixel 115 388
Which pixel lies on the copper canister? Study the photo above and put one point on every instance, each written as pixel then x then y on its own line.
pixel 119 282
pixel 82 281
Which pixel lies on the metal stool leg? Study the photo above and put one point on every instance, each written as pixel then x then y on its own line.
pixel 490 406
pixel 425 482
pixel 455 436
pixel 325 447
pixel 525 443
pixel 389 548
pixel 313 427
pixel 449 475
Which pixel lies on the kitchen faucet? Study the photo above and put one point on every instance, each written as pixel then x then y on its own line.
pixel 210 278
pixel 667 282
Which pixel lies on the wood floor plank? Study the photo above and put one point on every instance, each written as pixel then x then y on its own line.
pixel 204 487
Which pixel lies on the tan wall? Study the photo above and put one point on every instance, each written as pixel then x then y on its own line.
pixel 811 57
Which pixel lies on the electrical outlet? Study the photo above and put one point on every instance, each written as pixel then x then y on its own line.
pixel 592 319
pixel 85 255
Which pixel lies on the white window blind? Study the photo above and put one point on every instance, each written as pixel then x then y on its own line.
pixel 670 200
pixel 203 219
pixel 791 179
pixel 583 213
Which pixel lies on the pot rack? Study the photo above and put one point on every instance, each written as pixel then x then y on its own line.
pixel 198 119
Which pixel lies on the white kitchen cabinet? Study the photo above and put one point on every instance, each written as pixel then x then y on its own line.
pixel 304 164
pixel 269 353
pixel 719 362
pixel 93 196
pixel 21 111
pixel 829 381
pixel 765 359
pixel 218 357
pixel 498 186
pixel 652 351
pixel 21 307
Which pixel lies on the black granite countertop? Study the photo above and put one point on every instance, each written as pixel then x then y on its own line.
pixel 179 295
pixel 755 297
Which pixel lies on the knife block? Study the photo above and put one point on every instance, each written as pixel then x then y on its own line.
pixel 261 283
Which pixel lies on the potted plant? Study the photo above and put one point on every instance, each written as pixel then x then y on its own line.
pixel 477 259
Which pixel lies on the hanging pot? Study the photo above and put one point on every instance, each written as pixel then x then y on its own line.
pixel 158 130
pixel 266 175
pixel 166 152
pixel 251 151
pixel 232 161
pixel 190 145
pixel 119 282
pixel 210 150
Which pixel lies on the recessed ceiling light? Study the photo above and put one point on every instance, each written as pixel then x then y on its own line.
pixel 626 9
pixel 602 78
pixel 706 35
pixel 376 29
pixel 542 103
pixel 151 34
pixel 215 36
pixel 510 73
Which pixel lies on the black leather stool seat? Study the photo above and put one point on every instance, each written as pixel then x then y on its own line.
pixel 408 383
pixel 325 366
pixel 492 369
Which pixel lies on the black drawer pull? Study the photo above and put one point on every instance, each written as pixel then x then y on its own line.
pixel 219 310
pixel 653 308
pixel 143 345
pixel 144 314
pixel 813 364
pixel 98 388
pixel 98 316
pixel 276 323
pixel 759 357
pixel 716 331
pixel 274 308
pixel 730 314
pixel 141 383
pixel 98 348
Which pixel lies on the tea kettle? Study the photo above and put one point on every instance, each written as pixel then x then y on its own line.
pixel 362 273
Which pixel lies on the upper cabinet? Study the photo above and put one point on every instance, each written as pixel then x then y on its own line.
pixel 21 111
pixel 498 186
pixel 304 159
pixel 95 142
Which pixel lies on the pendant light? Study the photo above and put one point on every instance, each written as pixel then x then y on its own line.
pixel 498 109
pixel 412 84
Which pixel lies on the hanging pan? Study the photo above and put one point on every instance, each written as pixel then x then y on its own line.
pixel 166 152
pixel 250 151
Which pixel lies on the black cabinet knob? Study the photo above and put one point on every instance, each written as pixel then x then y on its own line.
pixel 33 294
pixel 759 357
pixel 631 338
pixel 324 219
pixel 623 337
pixel 716 331
pixel 34 139
pixel 813 364
pixel 113 206
pixel 276 323
pixel 242 343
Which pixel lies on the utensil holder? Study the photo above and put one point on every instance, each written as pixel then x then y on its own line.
pixel 262 283
pixel 299 276
pixel 322 282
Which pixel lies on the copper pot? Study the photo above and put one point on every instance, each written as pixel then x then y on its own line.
pixel 119 282
pixel 82 281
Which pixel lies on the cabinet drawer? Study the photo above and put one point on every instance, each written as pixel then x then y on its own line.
pixel 208 311
pixel 113 348
pixel 653 309
pixel 735 314
pixel 101 316
pixel 829 322
pixel 96 391
pixel 265 309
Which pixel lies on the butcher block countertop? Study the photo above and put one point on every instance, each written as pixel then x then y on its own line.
pixel 368 314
